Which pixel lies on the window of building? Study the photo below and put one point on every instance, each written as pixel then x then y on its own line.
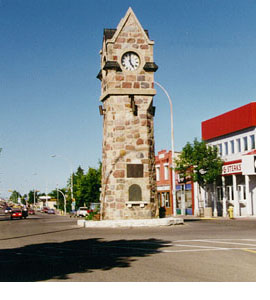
pixel 226 148
pixel 245 143
pixel 158 173
pixel 229 192
pixel 238 145
pixel 220 148
pixel 166 172
pixel 252 140
pixel 232 147
pixel 167 199
pixel 220 193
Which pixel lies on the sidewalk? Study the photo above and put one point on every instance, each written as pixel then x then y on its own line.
pixel 195 218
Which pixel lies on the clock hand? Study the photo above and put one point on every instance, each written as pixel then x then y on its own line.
pixel 130 61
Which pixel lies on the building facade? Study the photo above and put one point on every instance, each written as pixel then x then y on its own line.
pixel 234 134
pixel 184 190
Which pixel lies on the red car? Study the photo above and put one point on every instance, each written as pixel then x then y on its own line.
pixel 16 214
pixel 44 209
pixel 31 211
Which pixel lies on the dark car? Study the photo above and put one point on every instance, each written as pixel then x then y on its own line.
pixel 8 210
pixel 51 211
pixel 16 213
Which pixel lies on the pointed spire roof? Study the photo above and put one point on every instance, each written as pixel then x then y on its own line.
pixel 111 35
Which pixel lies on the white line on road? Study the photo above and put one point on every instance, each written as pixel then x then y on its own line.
pixel 218 242
pixel 194 246
pixel 215 240
pixel 198 250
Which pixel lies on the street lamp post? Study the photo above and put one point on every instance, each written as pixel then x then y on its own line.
pixel 65 201
pixel 172 143
pixel 71 180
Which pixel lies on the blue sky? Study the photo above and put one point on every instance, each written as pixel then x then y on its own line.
pixel 49 94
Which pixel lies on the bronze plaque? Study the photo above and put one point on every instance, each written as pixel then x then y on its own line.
pixel 134 170
pixel 134 193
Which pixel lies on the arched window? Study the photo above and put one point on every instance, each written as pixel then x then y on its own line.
pixel 134 193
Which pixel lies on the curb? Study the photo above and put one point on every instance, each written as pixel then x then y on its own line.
pixel 130 223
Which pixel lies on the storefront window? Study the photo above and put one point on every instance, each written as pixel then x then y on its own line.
pixel 229 192
pixel 219 193
pixel 165 199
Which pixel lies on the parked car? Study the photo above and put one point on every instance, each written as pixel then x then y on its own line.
pixel 16 213
pixel 45 209
pixel 50 211
pixel 31 211
pixel 8 210
pixel 82 211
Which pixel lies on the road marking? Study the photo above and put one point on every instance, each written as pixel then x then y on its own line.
pixel 217 242
pixel 199 250
pixel 196 240
pixel 249 250
pixel 194 246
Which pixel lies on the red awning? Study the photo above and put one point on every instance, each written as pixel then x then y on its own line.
pixel 251 152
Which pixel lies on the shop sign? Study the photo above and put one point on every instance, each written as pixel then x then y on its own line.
pixel 163 188
pixel 232 169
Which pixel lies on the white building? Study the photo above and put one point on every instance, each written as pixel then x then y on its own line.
pixel 234 133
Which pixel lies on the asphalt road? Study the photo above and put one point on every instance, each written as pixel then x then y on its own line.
pixel 52 248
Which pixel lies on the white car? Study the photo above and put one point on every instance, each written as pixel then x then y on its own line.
pixel 82 212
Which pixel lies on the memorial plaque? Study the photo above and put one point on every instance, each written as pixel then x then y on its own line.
pixel 134 193
pixel 134 170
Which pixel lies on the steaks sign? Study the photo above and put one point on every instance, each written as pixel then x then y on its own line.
pixel 232 169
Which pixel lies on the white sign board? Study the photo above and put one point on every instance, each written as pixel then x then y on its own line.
pixel 249 164
pixel 232 169
pixel 163 188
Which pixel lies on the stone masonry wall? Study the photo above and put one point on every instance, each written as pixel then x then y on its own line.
pixel 127 139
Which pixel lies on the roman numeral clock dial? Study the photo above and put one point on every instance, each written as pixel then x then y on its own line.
pixel 130 61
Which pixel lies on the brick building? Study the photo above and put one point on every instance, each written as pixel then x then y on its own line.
pixel 184 190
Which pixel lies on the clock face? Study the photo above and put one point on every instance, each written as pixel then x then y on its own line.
pixel 130 61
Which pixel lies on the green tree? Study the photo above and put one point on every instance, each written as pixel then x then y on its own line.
pixel 200 162
pixel 14 196
pixel 85 186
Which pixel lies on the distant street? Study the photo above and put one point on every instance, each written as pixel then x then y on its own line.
pixel 52 248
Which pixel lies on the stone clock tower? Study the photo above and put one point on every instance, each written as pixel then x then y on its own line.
pixel 127 90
